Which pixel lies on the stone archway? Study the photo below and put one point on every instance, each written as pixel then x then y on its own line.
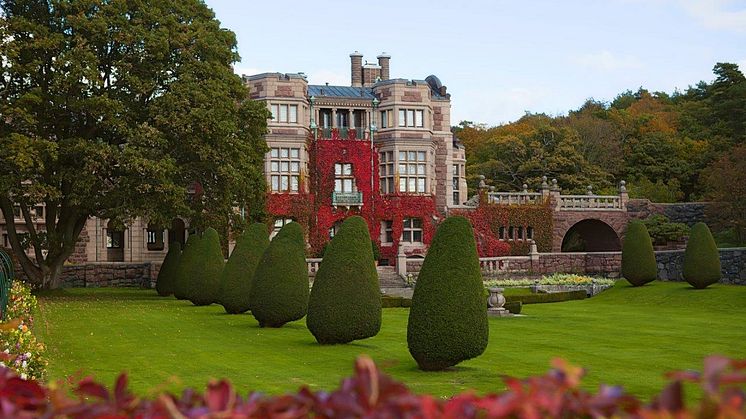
pixel 591 235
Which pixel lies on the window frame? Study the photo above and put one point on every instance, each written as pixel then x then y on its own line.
pixel 410 231
pixel 285 167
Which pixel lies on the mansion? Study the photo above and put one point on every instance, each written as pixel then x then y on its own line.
pixel 381 148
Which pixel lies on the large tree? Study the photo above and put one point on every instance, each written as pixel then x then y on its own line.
pixel 117 109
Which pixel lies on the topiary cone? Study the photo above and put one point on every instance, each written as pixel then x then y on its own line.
pixel 638 257
pixel 203 283
pixel 238 275
pixel 701 258
pixel 186 266
pixel 279 293
pixel 448 319
pixel 345 302
pixel 169 271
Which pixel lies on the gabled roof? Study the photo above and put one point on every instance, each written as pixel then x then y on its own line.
pixel 340 91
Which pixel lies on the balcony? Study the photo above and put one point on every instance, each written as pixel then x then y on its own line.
pixel 347 199
pixel 343 133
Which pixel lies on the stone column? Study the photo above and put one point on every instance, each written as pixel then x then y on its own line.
pixel 623 195
pixel 401 262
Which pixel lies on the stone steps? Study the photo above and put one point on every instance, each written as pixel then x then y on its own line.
pixel 388 278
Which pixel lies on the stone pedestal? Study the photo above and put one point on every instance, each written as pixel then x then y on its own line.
pixel 495 303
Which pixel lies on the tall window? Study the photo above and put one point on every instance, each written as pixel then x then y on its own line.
pixel 284 169
pixel 412 171
pixel 285 113
pixel 412 232
pixel 344 181
pixel 279 224
pixel 386 172
pixel 411 118
pixel 456 184
pixel 114 236
pixel 387 232
pixel 154 238
pixel 387 119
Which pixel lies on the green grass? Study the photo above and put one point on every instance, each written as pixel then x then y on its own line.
pixel 626 335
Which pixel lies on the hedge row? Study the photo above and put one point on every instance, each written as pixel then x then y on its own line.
pixel 549 297
pixel 372 394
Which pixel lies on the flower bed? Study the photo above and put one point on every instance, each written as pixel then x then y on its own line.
pixel 21 352
pixel 554 279
pixel 370 393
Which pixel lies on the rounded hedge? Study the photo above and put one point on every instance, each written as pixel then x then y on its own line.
pixel 203 283
pixel 238 275
pixel 701 258
pixel 448 319
pixel 345 302
pixel 279 293
pixel 186 266
pixel 638 257
pixel 169 271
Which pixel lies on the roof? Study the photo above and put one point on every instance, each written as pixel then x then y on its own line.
pixel 340 91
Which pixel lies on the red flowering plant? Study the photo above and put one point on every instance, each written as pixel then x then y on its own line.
pixel 370 393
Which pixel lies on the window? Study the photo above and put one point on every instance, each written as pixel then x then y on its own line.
pixel 387 119
pixel 284 167
pixel 530 233
pixel 456 184
pixel 114 239
pixel 285 113
pixel 412 171
pixel 412 232
pixel 279 224
pixel 334 229
pixel 344 181
pixel 387 232
pixel 154 238
pixel 501 233
pixel 386 172
pixel 411 118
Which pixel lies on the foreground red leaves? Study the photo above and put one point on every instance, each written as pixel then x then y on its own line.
pixel 371 394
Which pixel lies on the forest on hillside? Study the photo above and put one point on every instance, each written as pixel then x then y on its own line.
pixel 669 147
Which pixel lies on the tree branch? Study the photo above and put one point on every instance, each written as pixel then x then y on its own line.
pixel 32 270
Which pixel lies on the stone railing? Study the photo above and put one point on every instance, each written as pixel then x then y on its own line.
pixel 590 202
pixel 495 266
pixel 313 265
pixel 514 198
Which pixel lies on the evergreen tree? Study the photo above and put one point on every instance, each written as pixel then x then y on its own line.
pixel 187 266
pixel 638 258
pixel 279 293
pixel 701 258
pixel 164 284
pixel 448 319
pixel 203 285
pixel 345 302
pixel 238 275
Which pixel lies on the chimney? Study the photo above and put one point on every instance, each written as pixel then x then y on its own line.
pixel 383 62
pixel 356 63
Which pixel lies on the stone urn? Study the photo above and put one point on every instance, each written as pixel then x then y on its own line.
pixel 495 302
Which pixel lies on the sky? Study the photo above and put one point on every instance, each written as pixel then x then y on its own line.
pixel 499 59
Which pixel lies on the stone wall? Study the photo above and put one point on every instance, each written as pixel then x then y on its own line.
pixel 111 274
pixel 732 262
pixel 688 213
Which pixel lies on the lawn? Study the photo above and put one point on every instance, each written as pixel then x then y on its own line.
pixel 626 335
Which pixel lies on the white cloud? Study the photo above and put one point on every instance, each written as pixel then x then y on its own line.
pixel 608 61
pixel 717 14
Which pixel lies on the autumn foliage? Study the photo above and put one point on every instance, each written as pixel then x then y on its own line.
pixel 370 393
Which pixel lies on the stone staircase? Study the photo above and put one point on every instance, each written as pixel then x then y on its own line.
pixel 388 278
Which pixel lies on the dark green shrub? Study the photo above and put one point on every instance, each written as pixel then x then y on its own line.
pixel 238 275
pixel 514 306
pixel 279 293
pixel 203 283
pixel 376 250
pixel 701 258
pixel 662 230
pixel 187 262
pixel 345 303
pixel 166 280
pixel 391 302
pixel 547 297
pixel 638 258
pixel 448 318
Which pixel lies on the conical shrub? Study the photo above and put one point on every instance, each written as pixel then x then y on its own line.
pixel 186 267
pixel 638 258
pixel 164 284
pixel 448 318
pixel 203 283
pixel 345 302
pixel 279 293
pixel 238 275
pixel 701 258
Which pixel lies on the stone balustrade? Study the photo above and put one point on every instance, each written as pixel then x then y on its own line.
pixel 514 198
pixel 590 203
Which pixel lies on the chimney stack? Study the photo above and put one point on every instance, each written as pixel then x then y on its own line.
pixel 383 62
pixel 356 63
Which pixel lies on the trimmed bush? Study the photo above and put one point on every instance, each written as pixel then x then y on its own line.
pixel 513 306
pixel 345 303
pixel 203 282
pixel 701 258
pixel 638 258
pixel 166 280
pixel 187 263
pixel 238 275
pixel 448 318
pixel 279 293
pixel 548 297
